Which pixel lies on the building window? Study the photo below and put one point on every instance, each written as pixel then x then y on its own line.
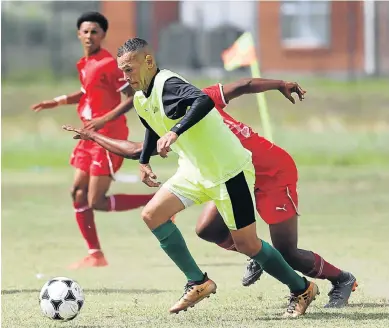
pixel 305 24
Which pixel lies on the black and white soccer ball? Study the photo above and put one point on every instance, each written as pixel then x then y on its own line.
pixel 61 299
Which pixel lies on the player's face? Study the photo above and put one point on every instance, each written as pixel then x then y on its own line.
pixel 138 69
pixel 91 35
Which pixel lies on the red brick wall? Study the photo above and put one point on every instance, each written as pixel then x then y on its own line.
pixel 122 22
pixel 335 58
pixel 164 13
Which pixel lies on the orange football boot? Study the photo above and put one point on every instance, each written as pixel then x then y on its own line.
pixel 95 259
pixel 298 304
pixel 194 293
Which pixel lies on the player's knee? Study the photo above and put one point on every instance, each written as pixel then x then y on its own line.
pixel 247 247
pixel 202 232
pixel 79 195
pixel 96 202
pixel 206 233
pixel 146 215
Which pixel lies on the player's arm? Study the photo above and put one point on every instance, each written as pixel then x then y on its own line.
pixel 258 85
pixel 124 107
pixel 69 99
pixel 123 148
pixel 182 101
pixel 147 175
pixel 185 101
pixel 149 144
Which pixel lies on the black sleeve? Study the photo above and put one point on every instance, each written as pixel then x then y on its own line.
pixel 177 96
pixel 149 145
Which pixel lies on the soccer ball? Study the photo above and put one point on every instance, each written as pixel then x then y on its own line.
pixel 61 299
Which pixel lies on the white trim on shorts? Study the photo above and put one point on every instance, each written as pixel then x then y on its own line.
pixel 187 202
pixel 291 200
pixel 111 171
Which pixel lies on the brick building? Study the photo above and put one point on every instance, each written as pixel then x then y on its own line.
pixel 303 36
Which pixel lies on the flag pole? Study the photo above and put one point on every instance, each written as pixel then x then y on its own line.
pixel 262 104
pixel 242 53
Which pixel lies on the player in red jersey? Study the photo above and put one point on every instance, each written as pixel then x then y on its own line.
pixel 276 191
pixel 95 167
pixel 276 196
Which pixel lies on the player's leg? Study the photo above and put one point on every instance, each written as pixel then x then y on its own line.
pixel 86 223
pixel 278 208
pixel 174 196
pixel 284 236
pixel 103 167
pixel 211 227
pixel 237 206
pixel 81 160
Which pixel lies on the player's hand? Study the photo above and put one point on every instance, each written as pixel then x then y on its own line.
pixel 164 143
pixel 95 124
pixel 288 88
pixel 80 133
pixel 46 104
pixel 147 176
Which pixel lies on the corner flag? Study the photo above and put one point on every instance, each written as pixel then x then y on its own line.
pixel 242 53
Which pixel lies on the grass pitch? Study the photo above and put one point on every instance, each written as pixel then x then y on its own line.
pixel 339 137
pixel 344 218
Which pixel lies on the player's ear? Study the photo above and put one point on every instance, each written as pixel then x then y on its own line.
pixel 149 61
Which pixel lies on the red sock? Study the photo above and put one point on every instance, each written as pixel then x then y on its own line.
pixel 122 202
pixel 228 244
pixel 323 269
pixel 86 224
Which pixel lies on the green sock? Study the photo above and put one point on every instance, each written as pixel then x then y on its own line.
pixel 274 264
pixel 174 245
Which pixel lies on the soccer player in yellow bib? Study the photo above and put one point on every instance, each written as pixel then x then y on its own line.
pixel 213 165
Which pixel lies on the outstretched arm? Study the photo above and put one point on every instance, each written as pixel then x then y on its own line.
pixel 258 85
pixel 70 99
pixel 124 148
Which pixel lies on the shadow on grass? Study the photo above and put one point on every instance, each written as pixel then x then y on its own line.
pixel 222 264
pixel 91 291
pixel 368 305
pixel 351 316
pixel 355 305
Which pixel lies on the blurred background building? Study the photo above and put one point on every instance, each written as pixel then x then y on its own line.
pixel 321 38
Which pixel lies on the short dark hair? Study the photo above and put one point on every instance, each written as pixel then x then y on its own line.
pixel 130 45
pixel 93 16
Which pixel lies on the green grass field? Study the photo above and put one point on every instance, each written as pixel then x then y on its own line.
pixel 340 141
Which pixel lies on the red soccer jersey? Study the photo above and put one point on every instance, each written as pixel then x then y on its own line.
pixel 268 159
pixel 242 131
pixel 101 82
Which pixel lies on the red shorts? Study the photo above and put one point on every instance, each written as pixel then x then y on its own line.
pixel 276 181
pixel 90 157
pixel 277 205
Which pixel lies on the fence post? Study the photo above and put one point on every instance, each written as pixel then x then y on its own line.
pixel 351 40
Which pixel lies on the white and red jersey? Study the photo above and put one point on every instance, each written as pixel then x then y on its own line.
pixel 101 82
pixel 268 159
pixel 242 131
pixel 246 135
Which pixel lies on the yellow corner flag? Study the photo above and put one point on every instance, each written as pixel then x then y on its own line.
pixel 242 53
